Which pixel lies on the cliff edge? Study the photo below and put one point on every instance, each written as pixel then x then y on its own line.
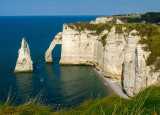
pixel 126 53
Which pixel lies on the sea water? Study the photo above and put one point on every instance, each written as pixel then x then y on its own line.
pixel 67 86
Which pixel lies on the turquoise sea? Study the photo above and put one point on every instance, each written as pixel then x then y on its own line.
pixel 67 86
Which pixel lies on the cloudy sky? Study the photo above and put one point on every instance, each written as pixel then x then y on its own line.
pixel 76 7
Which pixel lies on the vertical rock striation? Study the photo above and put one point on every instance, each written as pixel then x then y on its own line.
pixel 102 20
pixel 77 47
pixel 56 40
pixel 121 57
pixel 24 62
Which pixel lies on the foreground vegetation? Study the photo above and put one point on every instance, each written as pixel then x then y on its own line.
pixel 146 102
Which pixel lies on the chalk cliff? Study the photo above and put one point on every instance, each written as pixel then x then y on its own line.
pixel 121 58
pixel 102 20
pixel 57 40
pixel 106 19
pixel 24 62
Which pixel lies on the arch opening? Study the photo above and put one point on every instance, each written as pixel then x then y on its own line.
pixel 56 53
pixel 57 40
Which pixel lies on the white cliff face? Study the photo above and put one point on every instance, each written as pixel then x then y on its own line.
pixel 102 20
pixel 118 21
pixel 77 47
pixel 122 58
pixel 56 40
pixel 129 64
pixel 24 62
pixel 136 74
pixel 158 79
pixel 114 55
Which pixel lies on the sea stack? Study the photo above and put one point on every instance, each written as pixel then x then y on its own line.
pixel 24 62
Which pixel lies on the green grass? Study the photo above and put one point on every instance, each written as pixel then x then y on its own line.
pixel 153 45
pixel 146 102
pixel 152 40
pixel 103 39
pixel 25 110
pixel 81 26
pixel 151 31
pixel 150 17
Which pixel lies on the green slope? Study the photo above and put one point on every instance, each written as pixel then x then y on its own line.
pixel 146 102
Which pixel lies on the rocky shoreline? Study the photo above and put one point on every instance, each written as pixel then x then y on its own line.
pixel 113 49
pixel 112 85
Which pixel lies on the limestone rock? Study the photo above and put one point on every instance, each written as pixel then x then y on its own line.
pixel 118 21
pixel 77 48
pixel 56 40
pixel 158 81
pixel 102 20
pixel 106 20
pixel 114 55
pixel 24 62
pixel 122 58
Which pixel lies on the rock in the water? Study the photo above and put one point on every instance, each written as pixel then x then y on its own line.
pixel 24 62
pixel 119 57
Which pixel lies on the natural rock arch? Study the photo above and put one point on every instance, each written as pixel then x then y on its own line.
pixel 56 40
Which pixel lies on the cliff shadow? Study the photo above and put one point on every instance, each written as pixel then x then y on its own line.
pixel 53 69
pixel 56 54
pixel 122 78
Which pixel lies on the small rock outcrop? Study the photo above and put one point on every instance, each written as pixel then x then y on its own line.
pixel 24 62
pixel 102 20
pixel 106 19
pixel 118 21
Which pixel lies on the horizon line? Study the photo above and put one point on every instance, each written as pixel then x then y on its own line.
pixel 72 15
pixel 47 15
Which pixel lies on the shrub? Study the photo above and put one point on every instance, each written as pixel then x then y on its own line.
pixel 119 29
pixel 81 26
pixel 151 31
pixel 103 39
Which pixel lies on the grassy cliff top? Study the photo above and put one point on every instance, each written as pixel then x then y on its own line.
pixel 150 35
pixel 146 102
pixel 150 17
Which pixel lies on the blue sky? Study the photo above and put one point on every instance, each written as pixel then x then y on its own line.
pixel 76 7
